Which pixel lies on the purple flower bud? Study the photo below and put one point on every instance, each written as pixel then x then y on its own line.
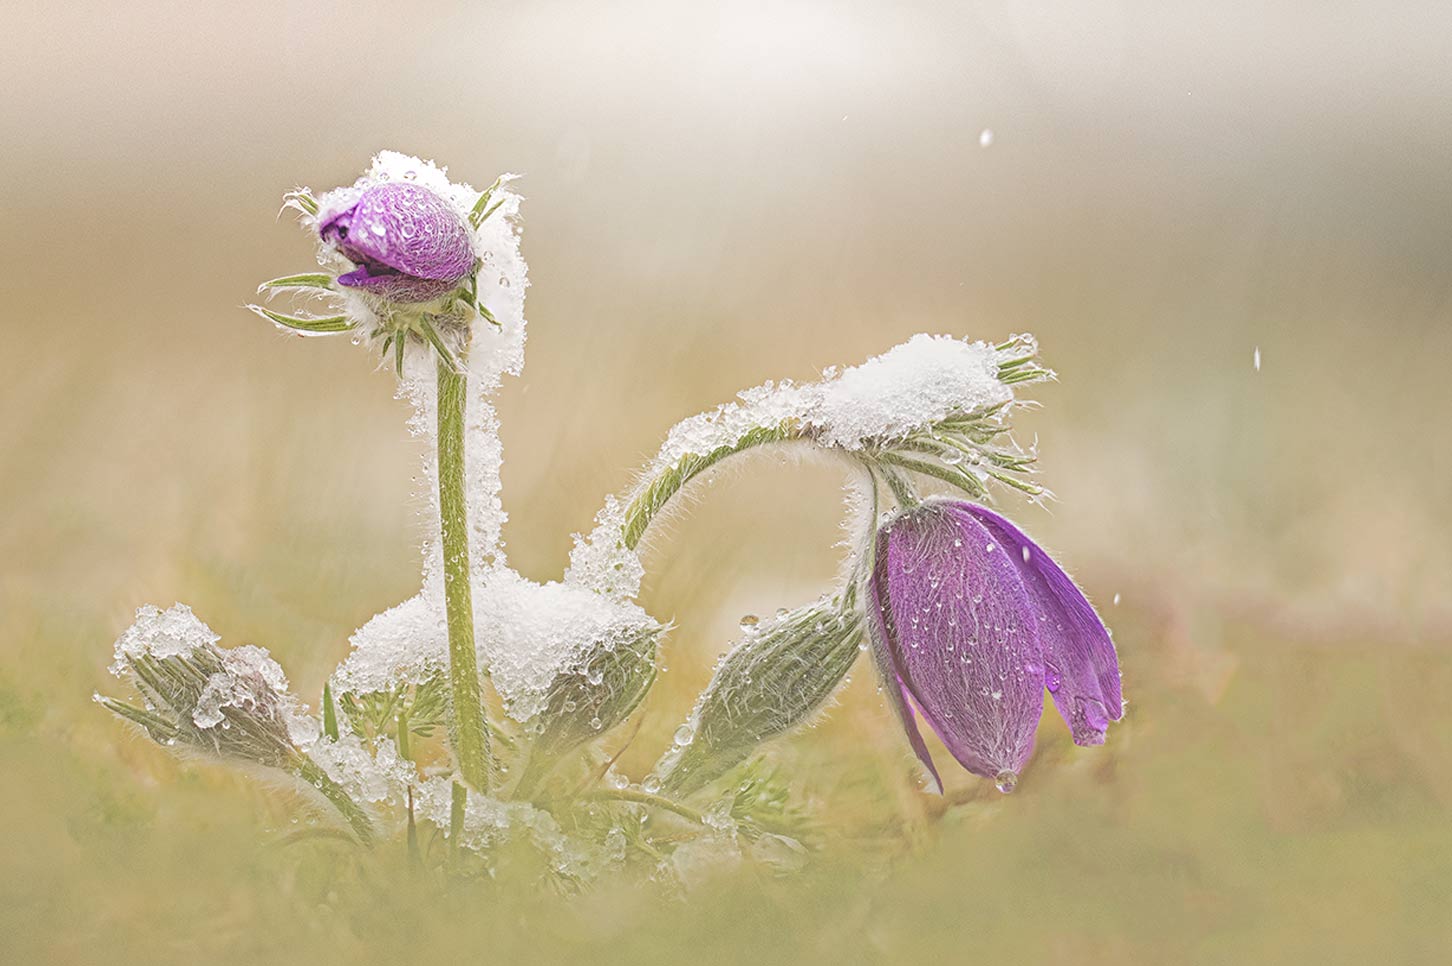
pixel 409 244
pixel 971 620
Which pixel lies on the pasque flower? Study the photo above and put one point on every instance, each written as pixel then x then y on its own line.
pixel 970 622
pixel 401 252
pixel 409 244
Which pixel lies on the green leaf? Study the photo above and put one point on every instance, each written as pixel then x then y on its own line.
pixel 481 209
pixel 964 481
pixel 316 326
pixel 303 200
pixel 432 334
pixel 304 280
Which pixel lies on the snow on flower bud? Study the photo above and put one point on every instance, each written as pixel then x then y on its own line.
pixel 409 244
pixel 231 703
pixel 970 621
pixel 586 701
pixel 401 251
pixel 228 702
pixel 772 681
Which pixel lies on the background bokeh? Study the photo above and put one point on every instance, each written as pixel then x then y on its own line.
pixel 718 196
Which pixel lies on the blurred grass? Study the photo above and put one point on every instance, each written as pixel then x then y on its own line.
pixel 702 217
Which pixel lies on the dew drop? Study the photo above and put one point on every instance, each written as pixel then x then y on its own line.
pixel 749 621
pixel 1006 781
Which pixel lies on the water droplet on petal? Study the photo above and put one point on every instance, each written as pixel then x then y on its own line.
pixel 1006 781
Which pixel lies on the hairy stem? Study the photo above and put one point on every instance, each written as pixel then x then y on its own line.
pixel 310 772
pixel 469 735
pixel 644 508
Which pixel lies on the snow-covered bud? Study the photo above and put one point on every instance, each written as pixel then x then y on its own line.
pixel 773 680
pixel 409 244
pixel 589 699
pixel 231 703
pixel 401 252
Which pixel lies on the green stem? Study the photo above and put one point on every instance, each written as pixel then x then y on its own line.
pixel 653 498
pixel 902 491
pixel 646 798
pixel 470 738
pixel 310 772
pixel 459 800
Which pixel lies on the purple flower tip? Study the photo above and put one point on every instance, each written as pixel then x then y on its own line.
pixel 409 244
pixel 971 621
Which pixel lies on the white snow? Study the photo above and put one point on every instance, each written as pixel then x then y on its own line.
pixel 526 634
pixel 249 680
pixel 908 388
pixel 381 775
pixel 161 634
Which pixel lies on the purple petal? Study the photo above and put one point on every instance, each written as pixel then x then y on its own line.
pixel 1081 669
pixel 398 288
pixel 892 685
pixel 407 242
pixel 961 636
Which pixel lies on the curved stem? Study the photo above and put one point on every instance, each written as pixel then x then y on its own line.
pixel 470 737
pixel 644 508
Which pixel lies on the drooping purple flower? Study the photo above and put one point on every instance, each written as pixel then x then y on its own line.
pixel 970 621
pixel 409 244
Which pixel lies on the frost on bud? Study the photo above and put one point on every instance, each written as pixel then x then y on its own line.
pixel 772 681
pixel 592 697
pixel 400 255
pixel 230 703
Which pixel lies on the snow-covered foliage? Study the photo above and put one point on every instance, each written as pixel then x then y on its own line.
pixel 568 660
